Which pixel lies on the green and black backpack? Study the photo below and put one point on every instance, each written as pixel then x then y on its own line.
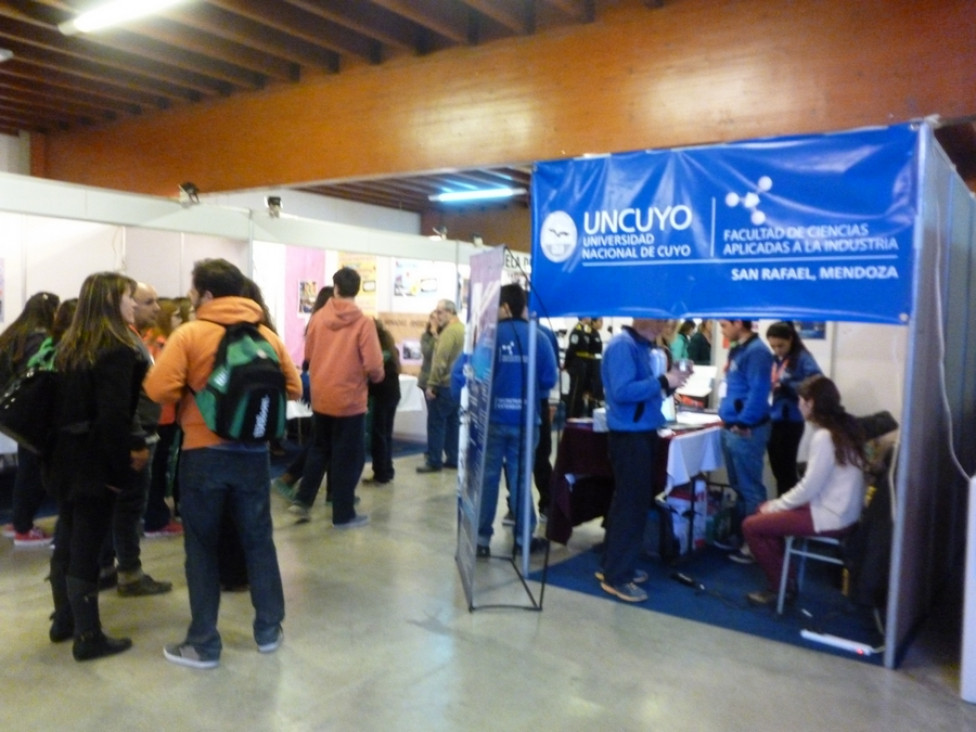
pixel 245 398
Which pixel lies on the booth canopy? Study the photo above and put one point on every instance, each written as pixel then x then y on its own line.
pixel 817 227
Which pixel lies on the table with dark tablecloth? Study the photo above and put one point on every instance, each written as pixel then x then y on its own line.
pixel 582 478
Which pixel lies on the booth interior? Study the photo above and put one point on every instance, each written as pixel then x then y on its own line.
pixel 868 233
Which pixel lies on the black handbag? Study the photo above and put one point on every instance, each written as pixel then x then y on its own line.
pixel 27 409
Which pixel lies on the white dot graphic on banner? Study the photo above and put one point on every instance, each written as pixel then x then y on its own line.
pixel 751 200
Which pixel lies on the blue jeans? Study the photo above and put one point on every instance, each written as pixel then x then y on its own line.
pixel 744 461
pixel 505 449
pixel 443 425
pixel 633 456
pixel 209 478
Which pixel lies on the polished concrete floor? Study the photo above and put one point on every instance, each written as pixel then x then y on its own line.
pixel 378 637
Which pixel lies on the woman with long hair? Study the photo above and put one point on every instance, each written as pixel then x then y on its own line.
pixel 284 485
pixel 384 396
pixel 700 344
pixel 158 518
pixel 18 343
pixel 95 455
pixel 792 365
pixel 829 497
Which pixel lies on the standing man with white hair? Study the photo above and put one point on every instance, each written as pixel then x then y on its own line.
pixel 443 422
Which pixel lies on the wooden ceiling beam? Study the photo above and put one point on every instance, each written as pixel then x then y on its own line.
pixel 376 23
pixel 451 22
pixel 81 91
pixel 256 36
pixel 515 15
pixel 287 18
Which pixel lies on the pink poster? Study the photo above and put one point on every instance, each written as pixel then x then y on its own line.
pixel 304 277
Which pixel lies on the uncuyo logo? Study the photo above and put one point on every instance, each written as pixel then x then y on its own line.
pixel 558 236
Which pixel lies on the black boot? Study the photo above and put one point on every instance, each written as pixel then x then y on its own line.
pixel 90 641
pixel 62 621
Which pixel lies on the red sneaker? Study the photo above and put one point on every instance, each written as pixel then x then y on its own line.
pixel 173 528
pixel 35 537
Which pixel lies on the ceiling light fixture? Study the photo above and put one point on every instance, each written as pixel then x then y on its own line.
pixel 114 13
pixel 5 54
pixel 480 195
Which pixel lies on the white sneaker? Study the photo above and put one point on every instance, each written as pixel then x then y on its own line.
pixel 300 512
pixel 354 523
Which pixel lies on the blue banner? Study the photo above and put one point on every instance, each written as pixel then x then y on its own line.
pixel 816 227
pixel 479 351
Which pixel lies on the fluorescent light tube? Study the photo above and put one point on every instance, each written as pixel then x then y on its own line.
pixel 114 13
pixel 482 195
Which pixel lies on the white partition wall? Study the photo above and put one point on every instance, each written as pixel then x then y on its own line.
pixel 936 455
pixel 55 234
pixel 54 255
pixel 156 257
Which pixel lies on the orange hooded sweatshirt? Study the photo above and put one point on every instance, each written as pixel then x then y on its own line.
pixel 188 360
pixel 344 354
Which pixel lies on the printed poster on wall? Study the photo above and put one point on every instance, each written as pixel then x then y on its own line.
pixel 816 227
pixel 407 328
pixel 365 265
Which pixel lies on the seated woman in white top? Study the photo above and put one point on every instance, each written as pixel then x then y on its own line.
pixel 829 497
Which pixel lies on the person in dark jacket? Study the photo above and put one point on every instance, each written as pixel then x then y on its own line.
pixel 18 343
pixel 96 456
pixel 384 395
pixel 792 365
pixel 576 364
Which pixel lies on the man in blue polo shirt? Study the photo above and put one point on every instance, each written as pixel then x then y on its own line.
pixel 744 410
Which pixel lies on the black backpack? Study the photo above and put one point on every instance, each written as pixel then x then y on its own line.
pixel 245 398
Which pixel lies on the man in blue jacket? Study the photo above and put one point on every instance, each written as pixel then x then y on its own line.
pixel 506 420
pixel 744 410
pixel 636 381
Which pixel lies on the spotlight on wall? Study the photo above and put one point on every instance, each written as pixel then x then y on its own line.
pixel 5 54
pixel 477 240
pixel 274 206
pixel 189 193
pixel 439 233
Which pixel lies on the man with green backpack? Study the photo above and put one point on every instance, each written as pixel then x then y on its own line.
pixel 231 377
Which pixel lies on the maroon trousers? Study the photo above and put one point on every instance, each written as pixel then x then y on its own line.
pixel 765 532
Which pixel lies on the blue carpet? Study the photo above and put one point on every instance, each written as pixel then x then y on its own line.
pixel 720 599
